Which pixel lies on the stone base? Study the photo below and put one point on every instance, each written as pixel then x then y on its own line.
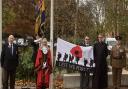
pixel 73 80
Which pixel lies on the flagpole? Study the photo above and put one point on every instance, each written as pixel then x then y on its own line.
pixel 51 39
pixel 0 41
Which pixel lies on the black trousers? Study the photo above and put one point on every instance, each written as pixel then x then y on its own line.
pixel 6 76
pixel 43 87
pixel 84 80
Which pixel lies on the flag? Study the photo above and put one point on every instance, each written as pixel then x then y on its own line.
pixel 43 17
pixel 36 28
pixel 42 5
pixel 38 8
pixel 40 16
pixel 37 24
pixel 37 11
pixel 33 2
pixel 42 12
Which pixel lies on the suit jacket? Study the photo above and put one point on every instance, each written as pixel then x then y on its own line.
pixel 9 61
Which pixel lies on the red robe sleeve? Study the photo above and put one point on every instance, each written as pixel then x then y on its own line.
pixel 49 61
pixel 39 72
pixel 39 56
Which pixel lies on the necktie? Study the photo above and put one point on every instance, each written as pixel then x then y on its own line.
pixel 11 49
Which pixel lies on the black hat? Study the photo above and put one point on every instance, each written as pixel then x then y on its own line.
pixel 118 38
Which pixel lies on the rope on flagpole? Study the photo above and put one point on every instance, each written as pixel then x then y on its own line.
pixel 51 39
pixel 0 41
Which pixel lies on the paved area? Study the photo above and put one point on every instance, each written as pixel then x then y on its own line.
pixel 25 87
pixel 18 87
pixel 108 88
pixel 120 88
pixel 66 88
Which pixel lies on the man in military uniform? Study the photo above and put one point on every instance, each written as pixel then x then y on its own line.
pixel 118 61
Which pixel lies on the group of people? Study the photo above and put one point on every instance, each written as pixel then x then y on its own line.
pixel 43 65
pixel 100 74
pixel 10 61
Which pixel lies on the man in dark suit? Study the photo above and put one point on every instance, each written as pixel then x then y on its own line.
pixel 84 76
pixel 9 62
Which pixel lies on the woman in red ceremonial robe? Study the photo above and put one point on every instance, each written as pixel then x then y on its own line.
pixel 43 65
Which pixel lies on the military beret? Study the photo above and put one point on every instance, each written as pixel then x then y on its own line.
pixel 118 38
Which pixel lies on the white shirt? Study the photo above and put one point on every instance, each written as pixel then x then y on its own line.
pixel 11 45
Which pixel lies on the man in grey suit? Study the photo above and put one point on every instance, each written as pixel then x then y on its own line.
pixel 84 76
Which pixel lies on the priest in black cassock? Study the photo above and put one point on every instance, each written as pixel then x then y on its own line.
pixel 100 78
